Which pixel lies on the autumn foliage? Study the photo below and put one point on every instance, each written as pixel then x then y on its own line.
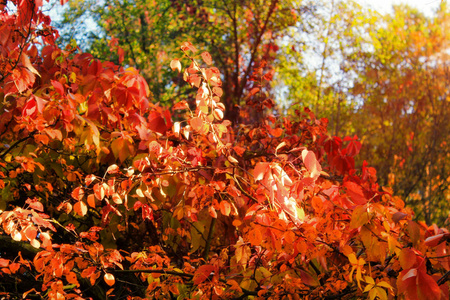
pixel 106 194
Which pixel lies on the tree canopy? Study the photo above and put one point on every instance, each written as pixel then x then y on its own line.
pixel 107 194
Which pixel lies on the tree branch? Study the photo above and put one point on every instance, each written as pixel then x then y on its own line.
pixel 12 247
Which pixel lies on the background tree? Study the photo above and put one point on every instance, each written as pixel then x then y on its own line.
pixel 241 36
pixel 384 78
pixel 313 70
pixel 403 83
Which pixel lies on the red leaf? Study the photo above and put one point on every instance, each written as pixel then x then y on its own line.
pixel 355 192
pixel 427 287
pixel 120 52
pixel 159 121
pixel 4 263
pixel 58 87
pixel 434 240
pixel 30 109
pixel 188 46
pixel 203 273
pixel 354 146
pixel 181 105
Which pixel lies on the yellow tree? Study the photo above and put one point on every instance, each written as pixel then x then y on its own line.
pixel 403 85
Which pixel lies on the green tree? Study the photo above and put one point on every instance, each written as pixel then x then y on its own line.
pixel 240 35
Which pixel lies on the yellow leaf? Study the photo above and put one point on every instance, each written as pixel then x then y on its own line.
pixel 385 284
pixel 360 217
pixel 369 279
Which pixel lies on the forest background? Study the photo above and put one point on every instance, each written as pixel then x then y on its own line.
pixel 382 77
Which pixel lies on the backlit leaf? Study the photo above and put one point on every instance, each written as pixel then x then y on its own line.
pixel 80 208
pixel 225 208
pixel 175 65
pixel 109 279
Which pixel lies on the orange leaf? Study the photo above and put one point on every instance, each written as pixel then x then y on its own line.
pixel 30 232
pixel 99 191
pixel 225 208
pixel 80 208
pixel 239 150
pixel 407 258
pixel 91 200
pixel 308 279
pixel 4 263
pixel 212 212
pixel 35 243
pixel 196 123
pixel 188 46
pixel 46 242
pixel 116 198
pixel 360 217
pixel 398 216
pixel 78 193
pixel 175 65
pixel 71 277
pixel 255 237
pixel 260 170
pixel 414 232
pixel 277 132
pixel 207 58
pixel 109 279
